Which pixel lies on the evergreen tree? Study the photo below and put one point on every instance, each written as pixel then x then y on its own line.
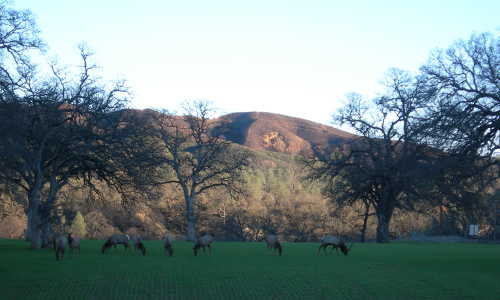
pixel 79 228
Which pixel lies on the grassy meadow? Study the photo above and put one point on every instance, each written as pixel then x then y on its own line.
pixel 250 271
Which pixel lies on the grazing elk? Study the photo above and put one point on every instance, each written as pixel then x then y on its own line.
pixel 328 240
pixel 59 244
pixel 335 243
pixel 202 242
pixel 74 243
pixel 167 245
pixel 138 244
pixel 272 242
pixel 114 240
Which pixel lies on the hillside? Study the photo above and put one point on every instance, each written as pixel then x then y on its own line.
pixel 263 131
pixel 279 133
pixel 275 195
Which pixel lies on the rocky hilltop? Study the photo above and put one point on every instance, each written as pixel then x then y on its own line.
pixel 278 133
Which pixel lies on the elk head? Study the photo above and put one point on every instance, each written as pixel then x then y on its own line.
pixel 105 247
pixel 343 247
pixel 142 248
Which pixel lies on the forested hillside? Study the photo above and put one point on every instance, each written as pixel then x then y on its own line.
pixel 276 196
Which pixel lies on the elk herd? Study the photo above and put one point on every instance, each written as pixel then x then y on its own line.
pixel 61 242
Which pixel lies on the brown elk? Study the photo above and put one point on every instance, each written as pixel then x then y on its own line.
pixel 74 243
pixel 202 242
pixel 167 245
pixel 335 243
pixel 272 242
pixel 59 244
pixel 114 240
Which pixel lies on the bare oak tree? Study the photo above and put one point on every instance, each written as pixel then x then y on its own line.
pixel 432 134
pixel 196 159
pixel 60 129
pixel 385 166
pixel 464 120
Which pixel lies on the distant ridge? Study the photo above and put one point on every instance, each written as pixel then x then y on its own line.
pixel 279 133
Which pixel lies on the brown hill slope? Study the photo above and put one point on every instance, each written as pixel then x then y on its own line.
pixel 274 132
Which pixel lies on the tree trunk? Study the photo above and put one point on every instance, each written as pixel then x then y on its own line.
pixel 46 219
pixel 191 229
pixel 441 220
pixel 190 215
pixel 33 231
pixel 46 234
pixel 384 219
pixel 384 212
pixel 365 222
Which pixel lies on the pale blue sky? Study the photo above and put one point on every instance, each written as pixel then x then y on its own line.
pixel 296 58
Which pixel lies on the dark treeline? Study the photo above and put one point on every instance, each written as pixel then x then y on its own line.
pixel 424 160
pixel 276 200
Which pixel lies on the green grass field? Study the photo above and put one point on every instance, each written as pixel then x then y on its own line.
pixel 250 271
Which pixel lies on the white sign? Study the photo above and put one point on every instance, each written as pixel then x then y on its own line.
pixel 473 229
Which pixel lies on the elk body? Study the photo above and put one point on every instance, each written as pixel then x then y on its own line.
pixel 328 240
pixel 167 245
pixel 114 240
pixel 272 242
pixel 74 243
pixel 202 242
pixel 60 242
pixel 335 243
